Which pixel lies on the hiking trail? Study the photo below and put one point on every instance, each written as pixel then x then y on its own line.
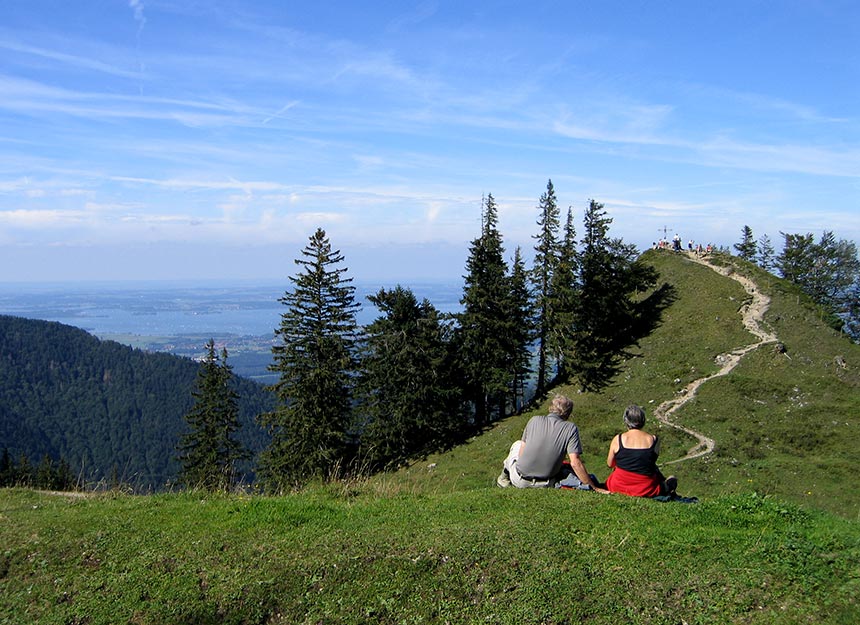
pixel 752 313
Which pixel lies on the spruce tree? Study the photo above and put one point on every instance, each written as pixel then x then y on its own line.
pixel 746 248
pixel 315 358
pixel 208 452
pixel 564 290
pixel 521 312
pixel 766 258
pixel 484 323
pixel 796 261
pixel 605 313
pixel 409 393
pixel 545 260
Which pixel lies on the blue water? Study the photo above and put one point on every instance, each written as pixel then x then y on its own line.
pixel 173 309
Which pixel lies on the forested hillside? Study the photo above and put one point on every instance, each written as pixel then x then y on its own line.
pixel 109 411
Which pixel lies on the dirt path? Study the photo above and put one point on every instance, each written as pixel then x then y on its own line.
pixel 752 313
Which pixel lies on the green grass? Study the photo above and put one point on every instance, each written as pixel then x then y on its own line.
pixel 464 557
pixel 774 539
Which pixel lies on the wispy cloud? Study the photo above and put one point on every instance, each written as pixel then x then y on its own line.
pixel 40 219
pixel 186 184
pixel 66 59
pixel 137 7
pixel 644 126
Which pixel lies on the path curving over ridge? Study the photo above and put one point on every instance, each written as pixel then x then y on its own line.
pixel 752 314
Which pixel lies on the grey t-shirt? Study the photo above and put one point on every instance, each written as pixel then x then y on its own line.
pixel 548 440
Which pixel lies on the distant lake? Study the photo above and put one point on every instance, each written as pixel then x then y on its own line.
pixel 174 309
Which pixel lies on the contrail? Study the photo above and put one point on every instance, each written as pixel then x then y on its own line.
pixel 283 109
pixel 137 6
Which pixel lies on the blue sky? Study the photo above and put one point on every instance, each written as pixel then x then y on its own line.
pixel 162 139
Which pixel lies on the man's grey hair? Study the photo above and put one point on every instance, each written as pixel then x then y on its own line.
pixel 562 406
pixel 634 417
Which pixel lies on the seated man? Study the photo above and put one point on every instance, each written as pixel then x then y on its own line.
pixel 536 460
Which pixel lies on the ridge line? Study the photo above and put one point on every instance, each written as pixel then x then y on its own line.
pixel 752 315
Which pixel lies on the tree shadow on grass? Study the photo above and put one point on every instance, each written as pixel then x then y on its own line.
pixel 644 317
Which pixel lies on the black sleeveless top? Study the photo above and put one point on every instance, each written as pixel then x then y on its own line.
pixel 641 461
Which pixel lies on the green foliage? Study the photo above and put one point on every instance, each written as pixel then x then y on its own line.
pixel 747 248
pixel 48 475
pixel 485 340
pixel 521 324
pixel 409 391
pixel 825 270
pixel 98 405
pixel 606 315
pixel 765 254
pixel 315 358
pixel 209 452
pixel 545 259
pixel 564 292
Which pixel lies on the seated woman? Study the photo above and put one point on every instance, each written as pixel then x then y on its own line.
pixel 633 456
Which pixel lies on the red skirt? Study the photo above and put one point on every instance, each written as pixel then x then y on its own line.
pixel 633 484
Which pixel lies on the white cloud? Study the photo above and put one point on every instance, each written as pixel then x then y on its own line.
pixel 320 218
pixel 40 219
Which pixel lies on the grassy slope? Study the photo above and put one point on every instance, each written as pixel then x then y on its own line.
pixel 438 542
pixel 485 555
pixel 784 425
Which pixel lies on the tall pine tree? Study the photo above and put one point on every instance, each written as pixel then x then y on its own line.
pixel 747 247
pixel 545 260
pixel 564 291
pixel 484 323
pixel 521 317
pixel 315 357
pixel 208 452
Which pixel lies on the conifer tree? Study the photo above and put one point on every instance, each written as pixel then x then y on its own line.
pixel 209 451
pixel 852 311
pixel 24 471
pixel 834 271
pixel 522 324
pixel 45 474
pixel 796 261
pixel 766 258
pixel 826 271
pixel 409 392
pixel 746 248
pixel 545 259
pixel 563 295
pixel 6 468
pixel 315 358
pixel 484 323
pixel 605 313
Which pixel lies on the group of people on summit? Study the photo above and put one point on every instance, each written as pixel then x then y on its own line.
pixel 549 455
pixel 676 246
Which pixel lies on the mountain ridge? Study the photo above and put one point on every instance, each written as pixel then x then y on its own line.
pixel 110 411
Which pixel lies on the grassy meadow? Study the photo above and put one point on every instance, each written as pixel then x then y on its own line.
pixel 775 537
